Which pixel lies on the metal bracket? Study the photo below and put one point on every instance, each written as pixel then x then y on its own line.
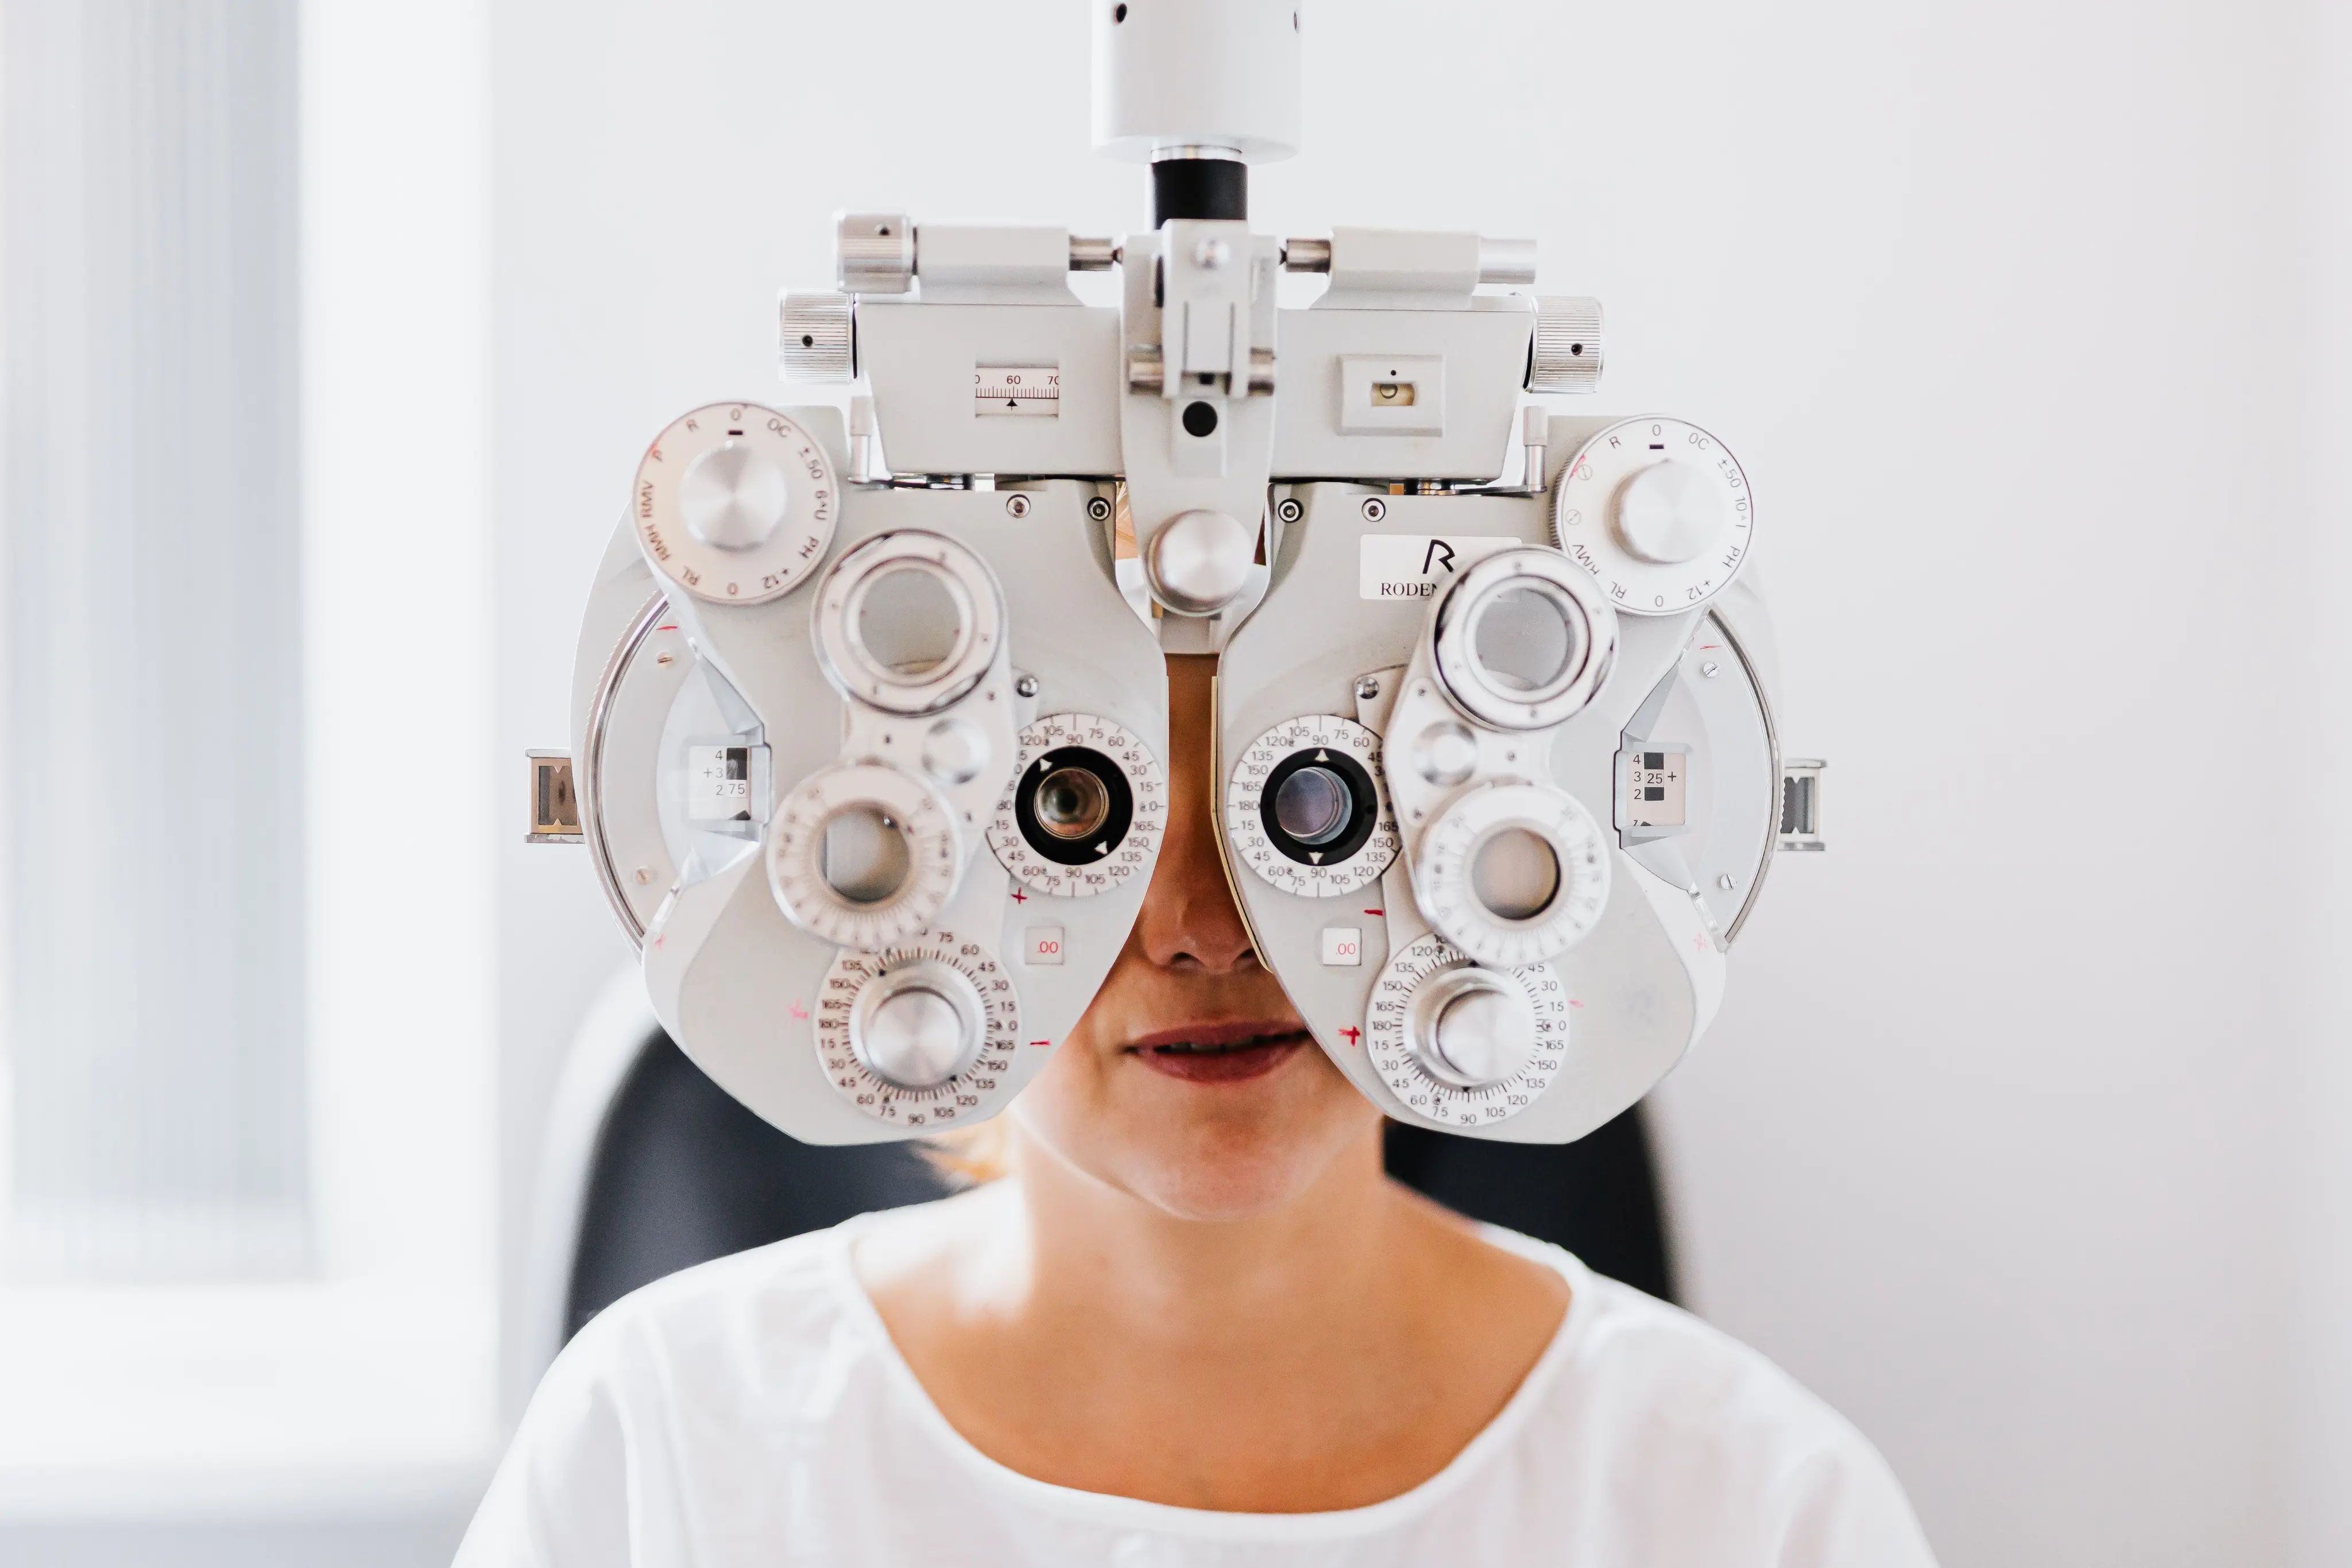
pixel 554 805
pixel 1800 803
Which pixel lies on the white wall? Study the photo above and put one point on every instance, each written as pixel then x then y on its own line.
pixel 2011 1139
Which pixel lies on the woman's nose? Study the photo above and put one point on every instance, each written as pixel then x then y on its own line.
pixel 1189 918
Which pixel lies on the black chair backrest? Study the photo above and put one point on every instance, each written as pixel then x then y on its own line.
pixel 683 1174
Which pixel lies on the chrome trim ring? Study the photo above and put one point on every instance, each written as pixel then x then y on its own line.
pixel 1368 849
pixel 796 537
pixel 909 805
pixel 853 668
pixel 977 1090
pixel 1590 624
pixel 1442 873
pixel 1388 1038
pixel 1147 808
pixel 592 782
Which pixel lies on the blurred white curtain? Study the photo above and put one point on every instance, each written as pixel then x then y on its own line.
pixel 151 785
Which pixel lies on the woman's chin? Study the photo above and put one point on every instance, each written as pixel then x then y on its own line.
pixel 1215 1138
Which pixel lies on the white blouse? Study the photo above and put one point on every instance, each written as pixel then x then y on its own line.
pixel 752 1413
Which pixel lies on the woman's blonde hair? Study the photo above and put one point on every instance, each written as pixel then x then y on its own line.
pixel 972 1155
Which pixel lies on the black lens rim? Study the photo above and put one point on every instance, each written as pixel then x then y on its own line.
pixel 1363 807
pixel 1118 818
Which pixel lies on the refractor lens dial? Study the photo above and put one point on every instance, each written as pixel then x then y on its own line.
pixel 917 1025
pixel 1307 810
pixel 1464 1045
pixel 863 856
pixel 922 1034
pixel 1657 511
pixel 1523 640
pixel 909 622
pixel 1086 809
pixel 1513 873
pixel 1473 1028
pixel 735 503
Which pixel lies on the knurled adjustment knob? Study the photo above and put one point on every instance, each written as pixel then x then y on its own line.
pixel 1566 354
pixel 917 1026
pixel 816 338
pixel 1473 1028
pixel 874 253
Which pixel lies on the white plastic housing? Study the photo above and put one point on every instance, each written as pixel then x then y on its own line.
pixel 1202 73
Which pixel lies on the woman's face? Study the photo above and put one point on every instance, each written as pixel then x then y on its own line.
pixel 1191 1083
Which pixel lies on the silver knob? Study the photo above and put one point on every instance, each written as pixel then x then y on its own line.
pixel 1507 261
pixel 1566 357
pixel 733 497
pixel 817 338
pixel 1473 1028
pixel 874 253
pixel 1306 255
pixel 1672 512
pixel 1199 562
pixel 917 1026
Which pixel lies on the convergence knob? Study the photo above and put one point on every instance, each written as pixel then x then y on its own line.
pixel 1199 561
pixel 1473 1028
pixel 917 1027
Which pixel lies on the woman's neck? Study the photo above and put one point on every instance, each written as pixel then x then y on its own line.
pixel 1334 1350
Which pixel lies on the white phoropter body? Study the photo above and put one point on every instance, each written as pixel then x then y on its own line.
pixel 872 741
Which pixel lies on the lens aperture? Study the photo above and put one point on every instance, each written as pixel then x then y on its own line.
pixel 1313 805
pixel 1073 803
pixel 1514 874
pixel 1074 806
pixel 866 858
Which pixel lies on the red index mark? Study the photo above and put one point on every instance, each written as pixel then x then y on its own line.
pixel 1351 1035
pixel 1046 1043
pixel 1380 912
pixel 1698 943
pixel 1019 896
pixel 1577 1005
pixel 799 1011
pixel 671 627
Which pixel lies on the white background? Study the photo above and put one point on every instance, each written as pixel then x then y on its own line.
pixel 2020 1138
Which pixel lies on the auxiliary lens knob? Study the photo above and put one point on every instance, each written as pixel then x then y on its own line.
pixel 734 503
pixel 733 497
pixel 923 1036
pixel 918 1026
pixel 1672 512
pixel 1657 512
pixel 1462 1044
pixel 1473 1028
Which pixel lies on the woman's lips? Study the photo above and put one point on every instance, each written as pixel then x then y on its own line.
pixel 1227 1052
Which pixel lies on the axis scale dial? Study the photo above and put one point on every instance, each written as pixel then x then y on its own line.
pixel 922 1034
pixel 1461 1045
pixel 735 503
pixel 1658 511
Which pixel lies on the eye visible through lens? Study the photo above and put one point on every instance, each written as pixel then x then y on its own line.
pixel 866 856
pixel 1313 805
pixel 909 622
pixel 1073 803
pixel 1524 639
pixel 1514 874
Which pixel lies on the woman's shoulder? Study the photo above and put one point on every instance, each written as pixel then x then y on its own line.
pixel 1654 1393
pixel 748 1320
